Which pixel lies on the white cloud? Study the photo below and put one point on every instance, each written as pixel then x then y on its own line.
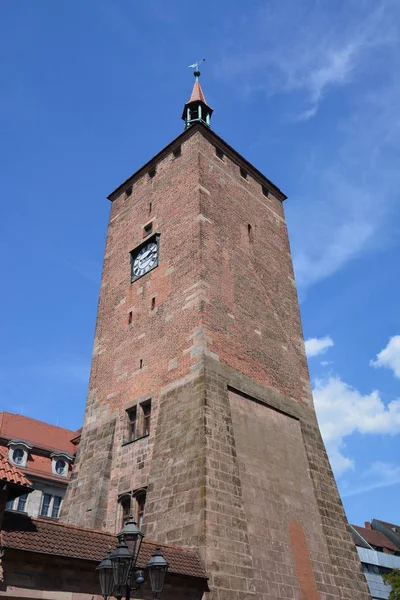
pixel 379 474
pixel 334 55
pixel 316 346
pixel 324 52
pixel 342 410
pixel 389 357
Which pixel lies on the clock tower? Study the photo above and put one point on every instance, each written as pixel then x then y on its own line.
pixel 199 416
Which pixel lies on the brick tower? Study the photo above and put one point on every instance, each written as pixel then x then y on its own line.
pixel 199 416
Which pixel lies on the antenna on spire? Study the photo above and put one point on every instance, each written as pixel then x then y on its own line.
pixel 195 66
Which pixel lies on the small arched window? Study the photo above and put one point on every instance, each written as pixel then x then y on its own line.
pixel 125 509
pixel 132 504
pixel 18 456
pixel 60 466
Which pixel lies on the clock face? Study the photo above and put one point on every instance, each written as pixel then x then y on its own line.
pixel 145 260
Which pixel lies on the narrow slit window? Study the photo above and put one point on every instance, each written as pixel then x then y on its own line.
pixel 243 173
pixel 250 232
pixel 128 191
pixel 152 172
pixel 130 318
pixel 147 229
pixel 141 501
pixel 150 207
pixel 153 303
pixel 56 507
pixel 22 503
pixel 219 153
pixel 146 408
pixel 44 512
pixel 177 152
pixel 141 364
pixel 265 191
pixel 132 417
pixel 125 509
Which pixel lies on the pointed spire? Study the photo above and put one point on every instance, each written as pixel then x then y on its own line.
pixel 197 108
pixel 197 94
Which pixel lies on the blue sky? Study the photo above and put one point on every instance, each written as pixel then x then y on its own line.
pixel 307 90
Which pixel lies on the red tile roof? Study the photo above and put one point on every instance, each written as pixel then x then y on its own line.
pixel 10 473
pixel 376 538
pixel 21 532
pixel 197 93
pixel 36 432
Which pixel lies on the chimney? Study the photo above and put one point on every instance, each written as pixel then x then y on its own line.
pixel 367 525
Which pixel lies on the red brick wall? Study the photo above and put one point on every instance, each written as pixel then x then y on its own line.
pixel 167 339
pixel 252 314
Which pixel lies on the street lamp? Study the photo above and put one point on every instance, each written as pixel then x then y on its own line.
pixel 106 576
pixel 132 536
pixel 115 571
pixel 158 568
pixel 121 560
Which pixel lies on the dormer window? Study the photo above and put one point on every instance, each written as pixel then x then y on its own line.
pixel 18 456
pixel 60 463
pixel 18 451
pixel 61 466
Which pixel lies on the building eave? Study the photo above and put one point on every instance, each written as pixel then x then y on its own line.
pixel 213 138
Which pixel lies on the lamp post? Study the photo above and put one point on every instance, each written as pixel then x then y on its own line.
pixel 158 568
pixel 106 576
pixel 115 571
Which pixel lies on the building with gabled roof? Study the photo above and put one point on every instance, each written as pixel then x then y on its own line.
pixel 376 539
pixel 378 553
pixel 45 454
pixel 43 558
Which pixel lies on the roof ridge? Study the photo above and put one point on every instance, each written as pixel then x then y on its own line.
pixel 5 412
pixel 191 549
pixel 70 526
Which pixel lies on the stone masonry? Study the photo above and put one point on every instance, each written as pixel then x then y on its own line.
pixel 234 463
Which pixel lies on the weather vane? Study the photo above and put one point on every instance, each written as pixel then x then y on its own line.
pixel 195 66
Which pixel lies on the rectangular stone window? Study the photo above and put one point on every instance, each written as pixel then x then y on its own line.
pixel 177 151
pixel 22 503
pixel 56 507
pixel 152 172
pixel 132 504
pixel 219 153
pixel 147 229
pixel 243 173
pixel 146 410
pixel 132 416
pixel 138 421
pixel 128 191
pixel 50 506
pixel 140 501
pixel 44 511
pixel 265 191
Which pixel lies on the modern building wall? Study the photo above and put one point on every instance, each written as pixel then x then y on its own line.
pixel 374 565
